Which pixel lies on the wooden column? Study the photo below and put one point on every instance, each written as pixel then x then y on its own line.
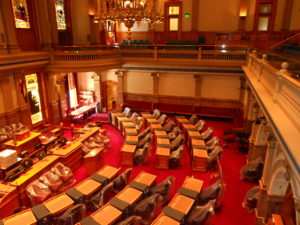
pixel 120 99
pixel 242 14
pixel 257 147
pixel 97 84
pixel 286 19
pixel 3 50
pixel 10 104
pixel 271 150
pixel 94 27
pixel 261 210
pixel 61 79
pixel 53 97
pixel 195 15
pixel 44 24
pixel 23 107
pixel 155 99
pixel 198 87
pixel 52 22
pixel 9 26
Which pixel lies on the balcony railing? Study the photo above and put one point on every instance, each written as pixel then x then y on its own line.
pixel 196 53
pixel 278 92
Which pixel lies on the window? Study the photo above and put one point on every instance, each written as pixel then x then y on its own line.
pixel 173 10
pixel 20 12
pixel 264 15
pixel 60 15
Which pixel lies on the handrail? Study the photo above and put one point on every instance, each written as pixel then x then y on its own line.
pixel 278 43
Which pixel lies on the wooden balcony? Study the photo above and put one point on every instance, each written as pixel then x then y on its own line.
pixel 24 60
pixel 278 94
pixel 99 57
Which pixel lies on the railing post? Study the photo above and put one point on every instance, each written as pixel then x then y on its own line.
pixel 155 52
pixel 263 61
pixel 199 54
pixel 283 71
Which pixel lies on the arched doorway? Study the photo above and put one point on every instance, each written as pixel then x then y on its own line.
pixel 110 95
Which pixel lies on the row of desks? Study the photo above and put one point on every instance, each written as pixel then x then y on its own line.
pixel 162 142
pixel 199 153
pixel 70 155
pixel 109 214
pixel 62 202
pixel 180 203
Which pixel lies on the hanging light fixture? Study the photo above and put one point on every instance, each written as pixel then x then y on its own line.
pixel 127 12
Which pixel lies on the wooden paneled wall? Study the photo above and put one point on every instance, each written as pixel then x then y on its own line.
pixel 252 39
pixel 207 94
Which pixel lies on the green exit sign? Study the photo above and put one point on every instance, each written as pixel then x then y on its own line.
pixel 187 15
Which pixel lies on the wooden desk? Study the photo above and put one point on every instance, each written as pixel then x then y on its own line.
pixel 25 217
pixel 106 215
pixel 70 156
pixel 114 119
pixel 146 115
pixel 109 172
pixel 86 134
pixel 193 133
pixel 154 126
pixel 49 142
pixel 129 195
pixel 133 139
pixel 93 160
pixel 88 187
pixel 127 152
pixel 185 126
pixel 180 120
pixel 33 173
pixel 197 142
pixel 26 144
pixel 162 219
pixel 130 131
pixel 9 200
pixel 120 122
pixel 163 141
pixel 58 204
pixel 145 178
pixel 199 160
pixel 159 133
pixel 162 158
pixel 275 220
pixel 152 120
pixel 192 184
pixel 182 203
pixel 81 110
pixel 56 131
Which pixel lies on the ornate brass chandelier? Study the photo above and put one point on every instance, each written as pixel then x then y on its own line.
pixel 127 12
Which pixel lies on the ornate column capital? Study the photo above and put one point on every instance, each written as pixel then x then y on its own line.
pixel 155 74
pixel 198 76
pixel 120 73
pixel 96 76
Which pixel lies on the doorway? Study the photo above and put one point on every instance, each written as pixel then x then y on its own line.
pixel 110 95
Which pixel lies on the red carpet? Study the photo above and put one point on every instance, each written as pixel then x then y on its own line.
pixel 231 211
